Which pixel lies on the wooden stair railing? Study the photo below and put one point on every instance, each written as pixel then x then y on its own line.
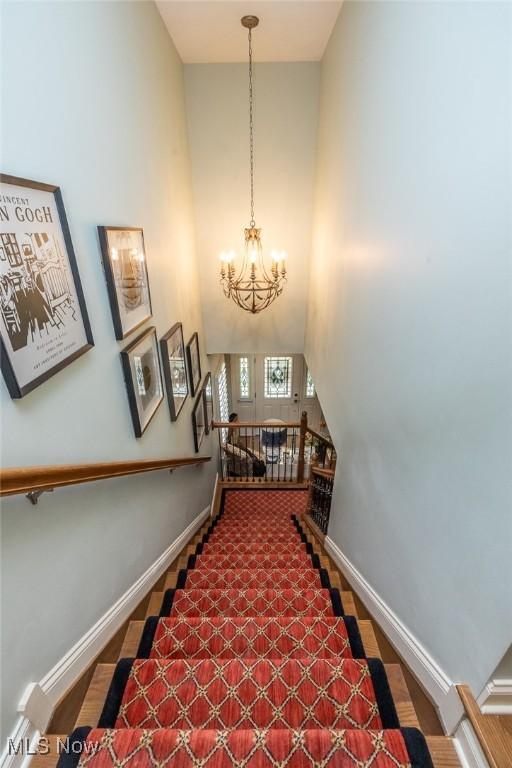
pixel 32 481
pixel 251 435
pixel 321 484
pixel 321 438
pixel 494 732
pixel 324 450
pixel 321 472
pixel 254 424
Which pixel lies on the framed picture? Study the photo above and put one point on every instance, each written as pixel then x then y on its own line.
pixel 124 263
pixel 198 421
pixel 44 324
pixel 141 368
pixel 208 402
pixel 172 349
pixel 194 363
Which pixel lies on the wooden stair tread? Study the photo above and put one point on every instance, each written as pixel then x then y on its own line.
pixel 97 692
pixel 155 603
pixel 335 580
pixel 494 732
pixel 401 696
pixel 442 748
pixel 442 751
pixel 370 643
pixel 50 759
pixel 334 577
pixel 313 527
pixel 95 697
pixel 170 580
pixel 131 640
pixel 349 606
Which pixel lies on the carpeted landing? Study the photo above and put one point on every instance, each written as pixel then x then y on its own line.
pixel 252 662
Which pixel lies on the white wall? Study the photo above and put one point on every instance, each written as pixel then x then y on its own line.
pixel 504 669
pixel 285 114
pixel 410 317
pixel 93 100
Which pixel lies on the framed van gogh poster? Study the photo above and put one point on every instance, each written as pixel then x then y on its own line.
pixel 194 363
pixel 44 324
pixel 141 368
pixel 172 349
pixel 126 273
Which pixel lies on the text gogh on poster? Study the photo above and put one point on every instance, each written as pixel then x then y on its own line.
pixel 42 323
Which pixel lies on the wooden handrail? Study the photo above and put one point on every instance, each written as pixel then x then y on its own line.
pixel 301 426
pixel 33 479
pixel 491 731
pixel 329 473
pixel 249 424
pixel 318 436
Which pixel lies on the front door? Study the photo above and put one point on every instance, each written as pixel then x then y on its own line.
pixel 273 387
pixel 278 386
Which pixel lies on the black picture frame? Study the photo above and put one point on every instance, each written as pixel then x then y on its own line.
pixel 121 296
pixel 194 363
pixel 171 341
pixel 208 402
pixel 198 421
pixel 138 378
pixel 45 269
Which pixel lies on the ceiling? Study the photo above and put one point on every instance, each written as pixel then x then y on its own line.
pixel 209 31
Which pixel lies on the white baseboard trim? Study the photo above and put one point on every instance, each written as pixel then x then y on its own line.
pixel 496 698
pixel 214 496
pixel 468 748
pixel 436 682
pixel 40 699
pixel 20 745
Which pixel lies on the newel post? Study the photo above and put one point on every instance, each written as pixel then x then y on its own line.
pixel 302 443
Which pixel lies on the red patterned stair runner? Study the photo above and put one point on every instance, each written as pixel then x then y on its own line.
pixel 245 578
pixel 251 663
pixel 251 602
pixel 404 748
pixel 223 694
pixel 253 638
pixel 264 562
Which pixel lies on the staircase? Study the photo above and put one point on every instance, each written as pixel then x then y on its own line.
pixel 252 656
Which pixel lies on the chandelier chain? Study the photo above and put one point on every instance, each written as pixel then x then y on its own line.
pixel 253 286
pixel 251 129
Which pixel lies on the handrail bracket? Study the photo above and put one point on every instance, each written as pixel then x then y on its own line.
pixel 33 496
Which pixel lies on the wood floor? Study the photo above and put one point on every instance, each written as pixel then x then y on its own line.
pixel 83 704
pixel 494 732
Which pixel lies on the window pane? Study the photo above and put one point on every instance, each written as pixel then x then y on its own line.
pixel 222 389
pixel 244 377
pixel 278 377
pixel 310 386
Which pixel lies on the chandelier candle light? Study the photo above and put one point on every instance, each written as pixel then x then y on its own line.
pixel 255 286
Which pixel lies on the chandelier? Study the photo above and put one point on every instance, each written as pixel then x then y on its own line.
pixel 256 284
